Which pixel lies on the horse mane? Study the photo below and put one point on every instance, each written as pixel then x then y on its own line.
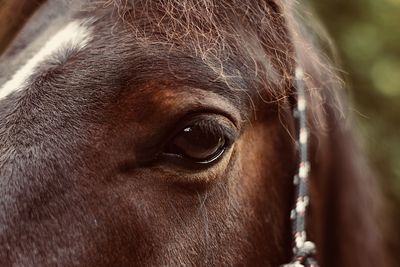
pixel 345 197
pixel 350 212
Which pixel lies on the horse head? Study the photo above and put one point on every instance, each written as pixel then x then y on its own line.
pixel 162 133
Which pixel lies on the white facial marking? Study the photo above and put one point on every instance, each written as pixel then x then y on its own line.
pixel 74 35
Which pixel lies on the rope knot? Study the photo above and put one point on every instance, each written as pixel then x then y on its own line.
pixel 304 256
pixel 307 249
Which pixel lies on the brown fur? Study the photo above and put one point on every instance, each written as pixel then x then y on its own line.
pixel 77 156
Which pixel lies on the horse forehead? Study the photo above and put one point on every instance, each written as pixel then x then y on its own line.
pixel 72 37
pixel 104 38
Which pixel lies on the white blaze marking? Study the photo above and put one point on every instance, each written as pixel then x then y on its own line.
pixel 74 35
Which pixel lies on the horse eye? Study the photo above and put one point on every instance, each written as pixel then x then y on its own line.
pixel 199 143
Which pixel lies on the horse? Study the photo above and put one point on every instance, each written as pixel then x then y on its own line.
pixel 163 133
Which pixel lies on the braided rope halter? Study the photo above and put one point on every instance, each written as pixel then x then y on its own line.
pixel 303 250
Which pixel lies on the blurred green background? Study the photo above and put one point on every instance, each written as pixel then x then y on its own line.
pixel 366 34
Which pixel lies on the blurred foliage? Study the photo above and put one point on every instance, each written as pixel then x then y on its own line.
pixel 367 37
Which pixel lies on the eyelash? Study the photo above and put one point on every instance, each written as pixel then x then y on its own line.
pixel 214 128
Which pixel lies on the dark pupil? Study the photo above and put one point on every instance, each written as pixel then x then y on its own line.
pixel 196 143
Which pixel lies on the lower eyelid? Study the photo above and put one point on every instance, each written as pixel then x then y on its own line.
pixel 182 162
pixel 186 162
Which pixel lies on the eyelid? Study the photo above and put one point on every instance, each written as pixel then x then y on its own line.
pixel 151 145
pixel 217 124
pixel 214 127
